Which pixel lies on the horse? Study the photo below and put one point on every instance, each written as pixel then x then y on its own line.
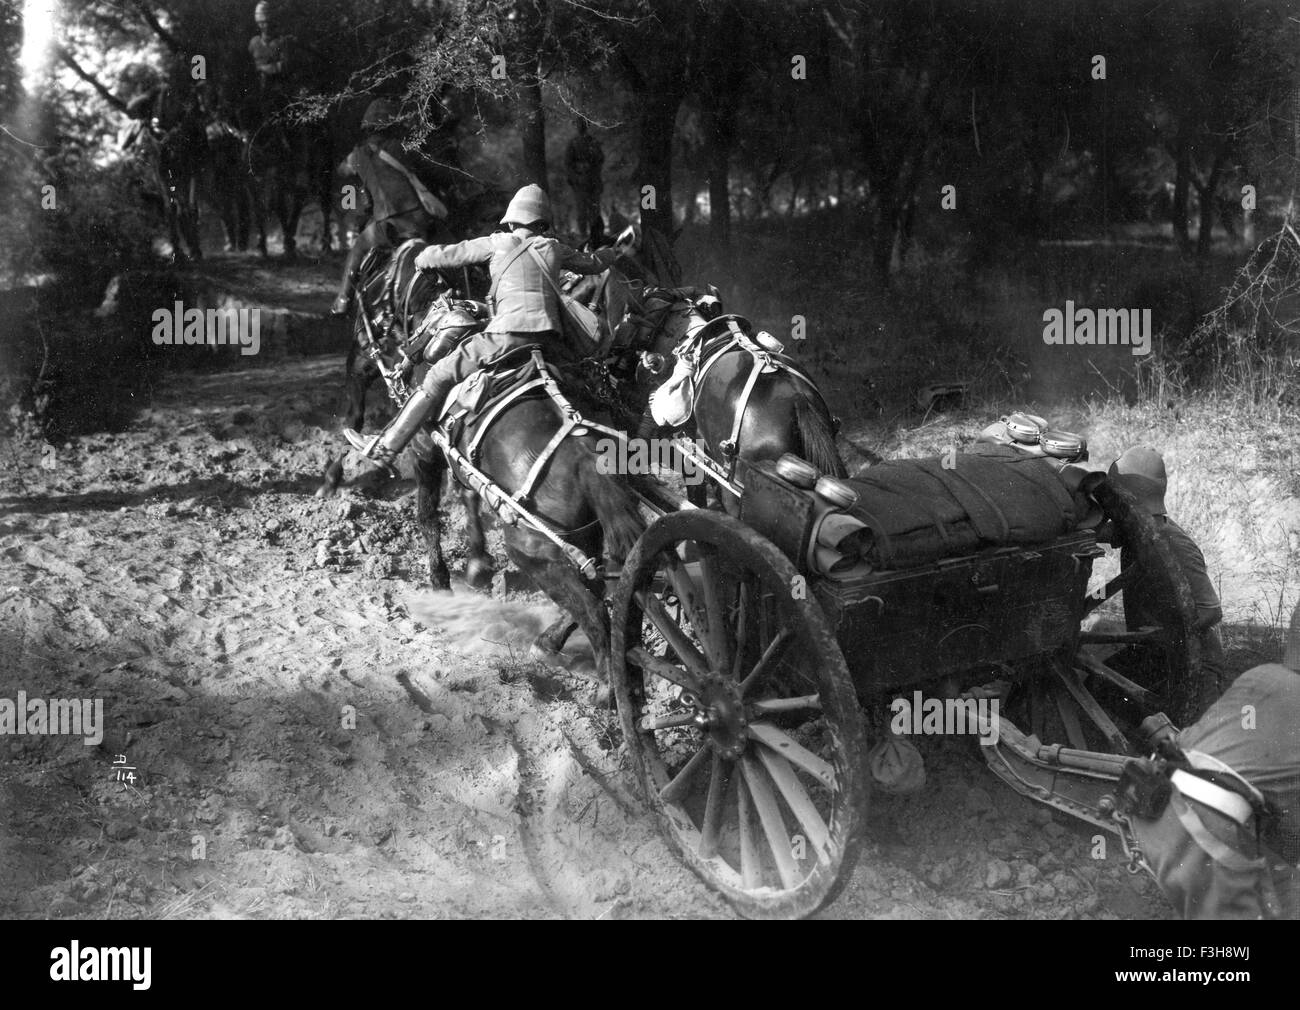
pixel 393 299
pixel 750 401
pixel 592 512
pixel 740 409
pixel 415 315
pixel 169 134
pixel 595 513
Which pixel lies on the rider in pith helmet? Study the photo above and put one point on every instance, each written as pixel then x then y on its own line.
pixel 401 207
pixel 524 264
pixel 1142 472
pixel 529 205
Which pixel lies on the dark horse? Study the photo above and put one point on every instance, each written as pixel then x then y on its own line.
pixel 169 135
pixel 735 412
pixel 783 411
pixel 596 513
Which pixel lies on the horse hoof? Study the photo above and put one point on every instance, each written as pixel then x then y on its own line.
pixel 543 652
pixel 478 575
pixel 326 491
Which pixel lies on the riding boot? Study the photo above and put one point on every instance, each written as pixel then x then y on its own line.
pixel 426 401
pixel 344 300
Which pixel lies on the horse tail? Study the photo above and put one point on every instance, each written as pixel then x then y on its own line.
pixel 816 437
pixel 616 508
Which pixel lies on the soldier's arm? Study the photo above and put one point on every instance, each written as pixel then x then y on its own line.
pixel 462 254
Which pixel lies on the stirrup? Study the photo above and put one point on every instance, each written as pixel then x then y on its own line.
pixel 359 442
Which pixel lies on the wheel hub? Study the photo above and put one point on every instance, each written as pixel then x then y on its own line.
pixel 724 716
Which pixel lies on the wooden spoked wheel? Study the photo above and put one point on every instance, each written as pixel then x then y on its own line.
pixel 739 713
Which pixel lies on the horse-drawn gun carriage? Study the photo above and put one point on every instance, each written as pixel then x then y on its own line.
pixel 749 643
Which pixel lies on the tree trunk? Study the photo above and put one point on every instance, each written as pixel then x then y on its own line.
pixel 718 135
pixel 1205 236
pixel 886 231
pixel 658 120
pixel 1182 182
pixel 532 132
pixel 690 206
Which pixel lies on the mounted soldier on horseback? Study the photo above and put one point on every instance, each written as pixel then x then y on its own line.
pixel 402 208
pixel 167 131
pixel 524 264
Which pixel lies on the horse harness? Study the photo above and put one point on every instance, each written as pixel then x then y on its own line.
pixel 465 407
pixel 711 345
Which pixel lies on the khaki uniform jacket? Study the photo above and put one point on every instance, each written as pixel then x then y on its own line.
pixel 525 301
pixel 270 57
pixel 390 191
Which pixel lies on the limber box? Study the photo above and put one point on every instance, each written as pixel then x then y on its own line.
pixel 997 606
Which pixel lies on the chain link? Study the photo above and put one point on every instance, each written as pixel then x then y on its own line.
pixel 1132 848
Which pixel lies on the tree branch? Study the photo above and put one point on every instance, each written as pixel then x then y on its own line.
pixel 91 79
pixel 152 20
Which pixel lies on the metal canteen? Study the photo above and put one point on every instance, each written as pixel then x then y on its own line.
pixel 798 472
pixel 1025 428
pixel 837 492
pixel 1063 444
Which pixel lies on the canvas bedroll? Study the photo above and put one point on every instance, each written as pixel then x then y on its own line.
pixel 919 510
